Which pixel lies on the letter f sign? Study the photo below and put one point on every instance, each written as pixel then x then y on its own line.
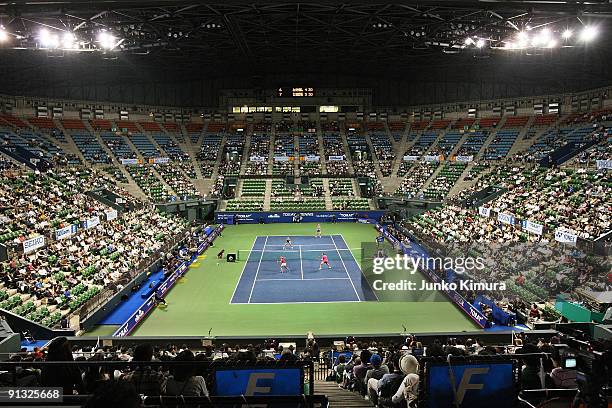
pixel 465 382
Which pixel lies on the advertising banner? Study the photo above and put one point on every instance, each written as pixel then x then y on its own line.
pixel 65 232
pixel 505 218
pixel 484 211
pixel 532 227
pixel 266 381
pixel 31 245
pixel 566 236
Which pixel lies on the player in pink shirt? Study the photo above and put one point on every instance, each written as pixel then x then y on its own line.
pixel 283 264
pixel 324 260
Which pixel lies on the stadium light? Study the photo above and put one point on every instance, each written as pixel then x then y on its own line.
pixel 551 43
pixel 523 39
pixel 588 33
pixel 3 35
pixel 480 43
pixel 47 39
pixel 69 41
pixel 107 40
pixel 468 41
pixel 567 34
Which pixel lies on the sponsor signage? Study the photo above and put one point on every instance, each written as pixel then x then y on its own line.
pixel 131 323
pixel 411 158
pixel 604 164
pixel 566 236
pixel 159 160
pixel 111 215
pixel 471 384
pixel 266 381
pixel 32 244
pixel 129 161
pixel 312 158
pixel 257 159
pixel 287 217
pixel 335 158
pixel 532 227
pixel 505 218
pixel 92 222
pixel 281 158
pixel 484 211
pixel 464 158
pixel 66 232
pixel 431 158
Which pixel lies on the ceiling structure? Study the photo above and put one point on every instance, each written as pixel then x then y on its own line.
pixel 262 36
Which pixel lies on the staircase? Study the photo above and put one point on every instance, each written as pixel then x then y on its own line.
pixel 490 139
pixel 322 158
pixel 247 148
pixel 340 398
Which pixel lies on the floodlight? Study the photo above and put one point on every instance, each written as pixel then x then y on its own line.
pixel 3 35
pixel 469 41
pixel 107 40
pixel 480 43
pixel 69 40
pixel 47 39
pixel 551 43
pixel 523 39
pixel 588 33
pixel 567 34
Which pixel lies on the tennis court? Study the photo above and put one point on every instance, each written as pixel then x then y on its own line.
pixel 261 280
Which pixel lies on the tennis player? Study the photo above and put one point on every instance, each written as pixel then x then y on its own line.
pixel 283 264
pixel 288 244
pixel 324 261
pixel 318 233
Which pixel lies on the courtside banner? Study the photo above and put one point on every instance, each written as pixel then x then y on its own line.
pixel 133 321
pixel 286 217
pixel 264 381
pixel 453 295
pixel 470 385
pixel 30 245
pixel 65 232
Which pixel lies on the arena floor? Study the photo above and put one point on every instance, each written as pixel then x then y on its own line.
pixel 203 298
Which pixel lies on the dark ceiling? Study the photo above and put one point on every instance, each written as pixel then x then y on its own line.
pixel 270 36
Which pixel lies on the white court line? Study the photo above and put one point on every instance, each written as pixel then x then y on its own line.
pixel 302 303
pixel 258 266
pixel 345 269
pixel 301 267
pixel 299 245
pixel 299 250
pixel 243 268
pixel 296 279
pixel 359 267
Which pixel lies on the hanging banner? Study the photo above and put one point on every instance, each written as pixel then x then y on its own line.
pixel 129 161
pixel 532 227
pixel 604 164
pixel 566 236
pixel 484 211
pixel 31 245
pixel 464 158
pixel 312 158
pixel 505 218
pixel 336 158
pixel 281 158
pixel 92 222
pixel 159 160
pixel 257 159
pixel 411 158
pixel 431 158
pixel 65 232
pixel 111 215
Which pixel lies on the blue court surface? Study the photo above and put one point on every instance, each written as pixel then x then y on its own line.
pixel 262 282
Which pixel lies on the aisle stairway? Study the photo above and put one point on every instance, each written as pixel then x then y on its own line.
pixel 340 398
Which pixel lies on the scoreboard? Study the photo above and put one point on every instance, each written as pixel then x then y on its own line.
pixel 295 92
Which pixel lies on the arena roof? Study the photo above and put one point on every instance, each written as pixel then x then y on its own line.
pixel 261 34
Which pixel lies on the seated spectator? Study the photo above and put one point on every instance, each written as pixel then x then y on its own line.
pixel 66 376
pixel 145 379
pixel 184 381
